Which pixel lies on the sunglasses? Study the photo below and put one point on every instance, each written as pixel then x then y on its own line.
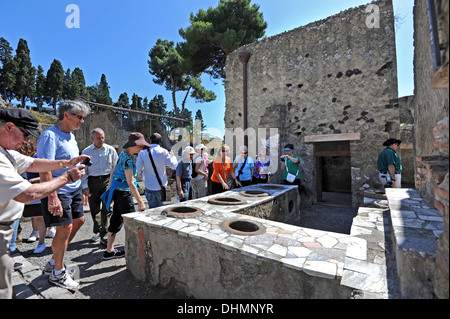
pixel 26 135
pixel 80 117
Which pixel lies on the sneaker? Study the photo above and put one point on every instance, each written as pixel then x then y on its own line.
pixel 48 269
pixel 114 254
pixel 40 248
pixel 96 238
pixel 50 233
pixel 17 265
pixel 33 237
pixel 63 280
pixel 104 241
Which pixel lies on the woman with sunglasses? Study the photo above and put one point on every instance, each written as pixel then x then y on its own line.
pixel 223 168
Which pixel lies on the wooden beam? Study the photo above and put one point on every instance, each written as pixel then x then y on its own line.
pixel 332 137
pixel 332 153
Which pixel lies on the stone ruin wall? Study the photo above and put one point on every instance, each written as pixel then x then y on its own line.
pixel 332 76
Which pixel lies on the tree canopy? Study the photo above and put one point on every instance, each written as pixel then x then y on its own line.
pixel 216 32
pixel 171 70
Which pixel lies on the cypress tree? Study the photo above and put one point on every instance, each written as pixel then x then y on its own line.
pixel 54 84
pixel 24 86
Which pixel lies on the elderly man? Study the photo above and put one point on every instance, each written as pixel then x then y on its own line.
pixel 96 181
pixel 16 126
pixel 62 209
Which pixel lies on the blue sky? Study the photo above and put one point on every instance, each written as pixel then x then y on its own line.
pixel 115 36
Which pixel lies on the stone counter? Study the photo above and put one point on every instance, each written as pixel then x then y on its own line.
pixel 203 258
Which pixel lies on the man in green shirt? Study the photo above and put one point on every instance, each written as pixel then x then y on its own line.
pixel 390 164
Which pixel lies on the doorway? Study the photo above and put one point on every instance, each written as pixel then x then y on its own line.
pixel 333 167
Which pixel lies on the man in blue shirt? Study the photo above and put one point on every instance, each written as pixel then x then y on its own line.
pixel 243 166
pixel 64 208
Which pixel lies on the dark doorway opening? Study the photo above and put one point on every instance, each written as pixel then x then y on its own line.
pixel 333 166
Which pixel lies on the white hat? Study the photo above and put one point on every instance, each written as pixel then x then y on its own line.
pixel 189 149
pixel 200 146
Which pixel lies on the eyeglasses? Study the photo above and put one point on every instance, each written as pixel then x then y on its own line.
pixel 245 153
pixel 223 151
pixel 26 135
pixel 80 117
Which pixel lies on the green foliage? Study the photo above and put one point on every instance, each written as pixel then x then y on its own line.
pixel 7 71
pixel 103 96
pixel 54 84
pixel 24 87
pixel 170 69
pixel 40 87
pixel 77 84
pixel 215 33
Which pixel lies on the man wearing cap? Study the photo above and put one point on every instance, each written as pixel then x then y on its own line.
pixel 390 164
pixel 161 158
pixel 122 188
pixel 184 174
pixel 16 126
pixel 200 173
pixel 95 182
pixel 62 209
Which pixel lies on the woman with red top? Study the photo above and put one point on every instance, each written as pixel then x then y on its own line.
pixel 222 168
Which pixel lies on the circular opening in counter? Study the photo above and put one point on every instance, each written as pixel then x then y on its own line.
pixel 226 201
pixel 243 227
pixel 271 187
pixel 253 193
pixel 182 212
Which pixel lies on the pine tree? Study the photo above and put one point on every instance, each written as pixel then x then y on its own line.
pixel 215 33
pixel 66 90
pixel 24 86
pixel 77 84
pixel 123 102
pixel 199 117
pixel 136 102
pixel 170 69
pixel 7 70
pixel 103 92
pixel 40 88
pixel 54 83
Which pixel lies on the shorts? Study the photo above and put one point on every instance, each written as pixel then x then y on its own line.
pixel 72 205
pixel 32 210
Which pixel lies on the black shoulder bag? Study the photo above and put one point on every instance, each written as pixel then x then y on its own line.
pixel 163 189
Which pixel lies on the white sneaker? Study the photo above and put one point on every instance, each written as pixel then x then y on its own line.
pixel 40 248
pixel 63 280
pixel 50 233
pixel 33 237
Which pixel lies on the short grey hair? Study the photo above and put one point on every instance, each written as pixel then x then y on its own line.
pixel 72 107
pixel 96 130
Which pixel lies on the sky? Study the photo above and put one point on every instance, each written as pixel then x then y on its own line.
pixel 114 38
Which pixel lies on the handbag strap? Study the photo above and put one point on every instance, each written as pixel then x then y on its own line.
pixel 224 174
pixel 154 168
pixel 242 167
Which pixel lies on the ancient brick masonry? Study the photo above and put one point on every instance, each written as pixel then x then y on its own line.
pixel 432 182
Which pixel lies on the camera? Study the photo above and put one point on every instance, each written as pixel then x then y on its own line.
pixel 87 162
